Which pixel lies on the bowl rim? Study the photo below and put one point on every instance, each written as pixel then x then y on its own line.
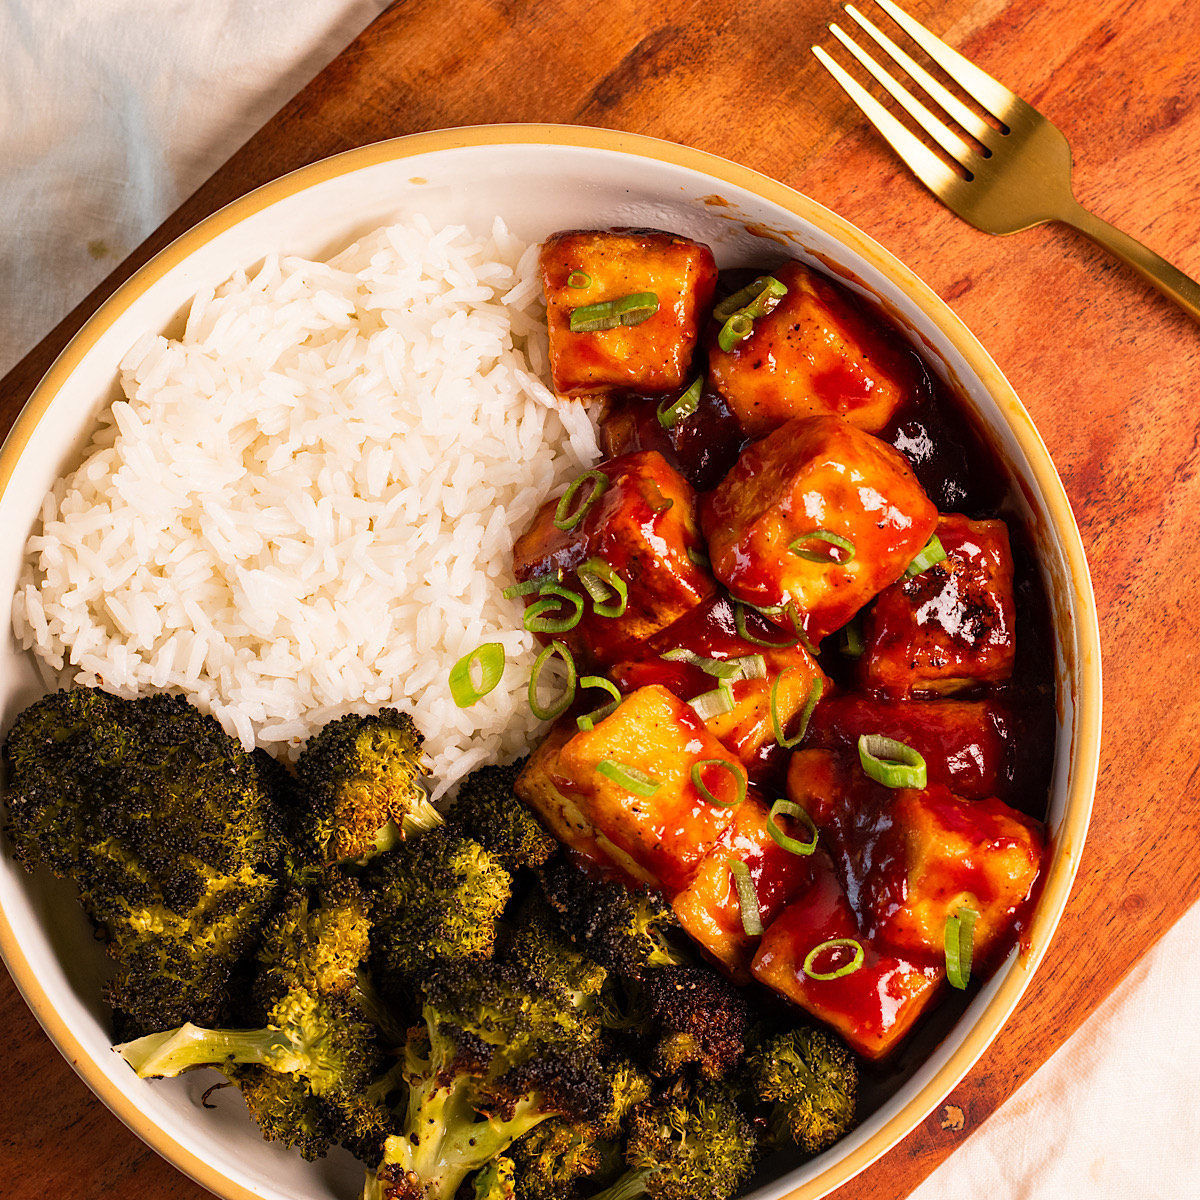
pixel 1085 684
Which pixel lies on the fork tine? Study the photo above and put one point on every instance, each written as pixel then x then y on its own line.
pixel 937 129
pixel 994 96
pixel 974 124
pixel 922 161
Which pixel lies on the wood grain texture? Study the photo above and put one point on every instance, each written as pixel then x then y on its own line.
pixel 1109 371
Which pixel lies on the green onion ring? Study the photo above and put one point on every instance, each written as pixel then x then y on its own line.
pixel 735 769
pixel 601 581
pixel 960 946
pixel 608 314
pixel 890 762
pixel 789 808
pixel 528 587
pixel 587 722
pixel 579 279
pixel 764 285
pixel 817 556
pixel 739 620
pixel 852 645
pixel 848 969
pixel 554 598
pixel 932 552
pixel 637 783
pixel 716 703
pixel 490 659
pixel 814 694
pixel 737 328
pixel 699 558
pixel 669 415
pixel 600 483
pixel 747 897
pixel 564 701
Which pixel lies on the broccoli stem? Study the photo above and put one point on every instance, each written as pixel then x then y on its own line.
pixel 168 1054
pixel 630 1185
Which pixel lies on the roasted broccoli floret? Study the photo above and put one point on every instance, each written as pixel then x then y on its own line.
pixel 623 930
pixel 692 1144
pixel 169 828
pixel 436 897
pixel 499 1052
pixel 359 788
pixel 488 810
pixel 692 1015
pixel 496 1181
pixel 533 939
pixel 286 1109
pixel 803 1086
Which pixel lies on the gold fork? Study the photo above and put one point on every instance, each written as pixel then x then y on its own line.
pixel 1022 175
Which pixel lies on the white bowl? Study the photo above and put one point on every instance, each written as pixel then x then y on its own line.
pixel 539 179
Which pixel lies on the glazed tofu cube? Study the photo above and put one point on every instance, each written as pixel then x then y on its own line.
pixel 813 354
pixel 818 515
pixel 710 632
pixel 708 908
pixel 538 785
pixel 660 837
pixel 872 1007
pixel 964 742
pixel 977 854
pixel 642 526
pixel 951 626
pixel 582 268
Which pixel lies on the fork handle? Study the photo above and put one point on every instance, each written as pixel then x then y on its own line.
pixel 1169 280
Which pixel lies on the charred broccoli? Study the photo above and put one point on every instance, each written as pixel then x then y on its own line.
pixel 488 810
pixel 359 785
pixel 692 1144
pixel 171 831
pixel 803 1085
pixel 499 1052
pixel 436 897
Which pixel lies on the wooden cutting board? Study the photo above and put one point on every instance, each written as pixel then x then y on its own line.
pixel 1110 372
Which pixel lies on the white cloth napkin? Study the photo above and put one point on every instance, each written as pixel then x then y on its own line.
pixel 113 111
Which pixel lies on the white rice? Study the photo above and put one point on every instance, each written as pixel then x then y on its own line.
pixel 306 506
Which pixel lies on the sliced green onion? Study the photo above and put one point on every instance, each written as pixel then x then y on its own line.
pixel 735 769
pixel 528 587
pixel 814 694
pixel 747 897
pixel 764 287
pixel 890 762
pixel 825 558
pixel 699 558
pixel 608 314
pixel 960 946
pixel 932 552
pixel 669 415
pixel 852 645
pixel 555 599
pixel 579 279
pixel 833 944
pixel 716 703
pixel 566 520
pixel 738 327
pixel 587 722
pixel 609 592
pixel 739 620
pixel 747 666
pixel 489 658
pixel 561 705
pixel 636 782
pixel 789 808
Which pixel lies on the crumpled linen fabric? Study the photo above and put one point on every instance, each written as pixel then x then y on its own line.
pixel 113 111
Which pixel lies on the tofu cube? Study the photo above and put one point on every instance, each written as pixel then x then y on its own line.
pixel 816 475
pixel 813 354
pixel 709 631
pixel 660 838
pixel 709 909
pixel 872 1007
pixel 642 526
pixel 950 627
pixel 586 267
pixel 964 742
